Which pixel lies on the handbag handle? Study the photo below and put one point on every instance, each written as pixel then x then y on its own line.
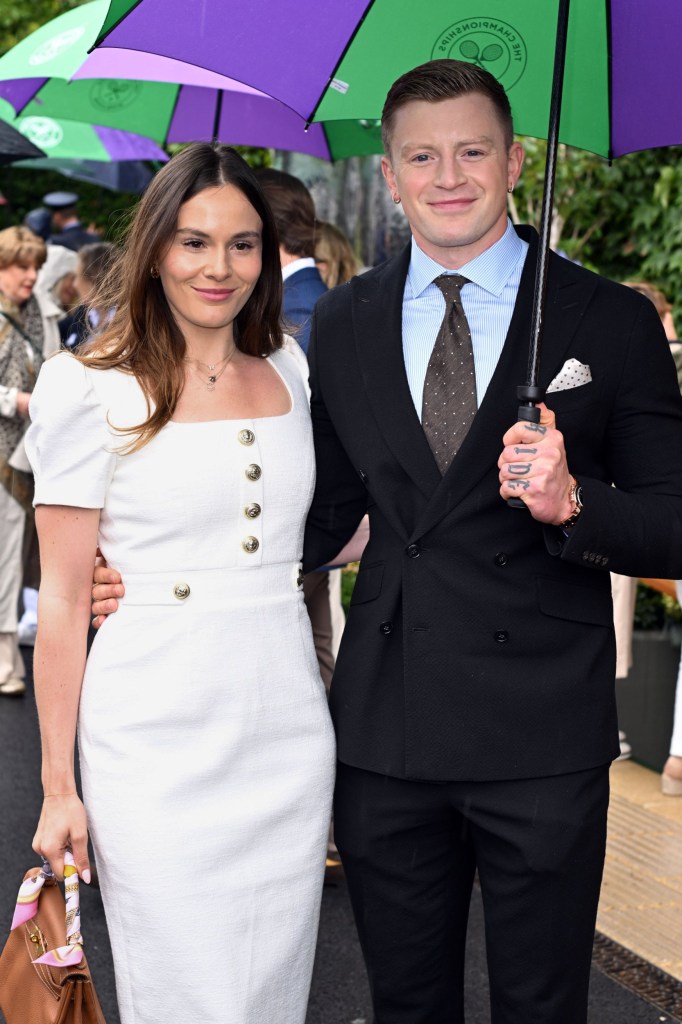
pixel 70 955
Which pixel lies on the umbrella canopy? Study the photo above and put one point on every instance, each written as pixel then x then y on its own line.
pixel 14 146
pixel 71 139
pixel 163 99
pixel 329 60
pixel 117 176
pixel 175 113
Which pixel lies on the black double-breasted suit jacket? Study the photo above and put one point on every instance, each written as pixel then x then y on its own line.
pixel 479 643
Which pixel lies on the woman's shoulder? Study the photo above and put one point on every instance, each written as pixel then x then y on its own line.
pixel 72 371
pixel 292 354
pixel 291 359
pixel 63 370
pixel 73 380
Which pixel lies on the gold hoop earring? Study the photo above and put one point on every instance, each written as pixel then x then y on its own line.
pixel 396 199
pixel 154 271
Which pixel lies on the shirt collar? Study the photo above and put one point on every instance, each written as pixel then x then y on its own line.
pixel 491 269
pixel 296 265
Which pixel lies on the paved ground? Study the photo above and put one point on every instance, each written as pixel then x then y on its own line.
pixel 339 993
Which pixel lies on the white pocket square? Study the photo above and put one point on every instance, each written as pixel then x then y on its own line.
pixel 573 374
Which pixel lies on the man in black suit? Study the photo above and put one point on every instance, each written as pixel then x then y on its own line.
pixel 67 228
pixel 473 696
pixel 474 690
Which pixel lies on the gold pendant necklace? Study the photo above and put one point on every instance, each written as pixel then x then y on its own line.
pixel 213 376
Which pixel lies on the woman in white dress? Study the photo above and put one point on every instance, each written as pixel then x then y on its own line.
pixel 180 444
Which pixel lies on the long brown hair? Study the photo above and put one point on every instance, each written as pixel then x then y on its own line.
pixel 142 336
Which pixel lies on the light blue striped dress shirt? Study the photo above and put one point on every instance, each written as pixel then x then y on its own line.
pixel 488 305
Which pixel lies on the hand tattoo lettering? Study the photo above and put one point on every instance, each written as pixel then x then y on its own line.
pixel 516 485
pixel 519 468
pixel 535 428
pixel 525 451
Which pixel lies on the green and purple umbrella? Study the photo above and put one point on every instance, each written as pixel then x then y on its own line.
pixel 70 139
pixel 331 60
pixel 49 74
pixel 170 114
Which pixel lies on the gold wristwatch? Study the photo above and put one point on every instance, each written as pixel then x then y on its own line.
pixel 575 496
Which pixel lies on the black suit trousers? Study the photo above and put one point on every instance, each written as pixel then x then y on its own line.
pixel 410 851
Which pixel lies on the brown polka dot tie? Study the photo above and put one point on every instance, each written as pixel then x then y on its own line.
pixel 449 399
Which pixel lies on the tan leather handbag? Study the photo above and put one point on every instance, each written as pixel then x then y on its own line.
pixel 41 993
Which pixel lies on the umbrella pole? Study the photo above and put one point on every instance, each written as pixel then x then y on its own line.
pixel 530 393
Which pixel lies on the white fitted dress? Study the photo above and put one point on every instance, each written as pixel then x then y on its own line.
pixel 207 752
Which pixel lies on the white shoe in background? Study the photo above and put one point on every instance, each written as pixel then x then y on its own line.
pixel 13 687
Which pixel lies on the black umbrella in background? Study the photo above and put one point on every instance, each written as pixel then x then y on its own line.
pixel 13 145
pixel 117 176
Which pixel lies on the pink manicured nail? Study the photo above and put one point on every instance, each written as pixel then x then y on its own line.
pixel 86 876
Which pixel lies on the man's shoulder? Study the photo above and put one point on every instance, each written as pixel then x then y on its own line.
pixel 363 285
pixel 307 277
pixel 564 271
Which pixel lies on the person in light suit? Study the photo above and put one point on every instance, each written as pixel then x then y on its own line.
pixel 473 697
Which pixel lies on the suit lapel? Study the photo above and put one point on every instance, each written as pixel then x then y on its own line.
pixel 498 411
pixel 377 318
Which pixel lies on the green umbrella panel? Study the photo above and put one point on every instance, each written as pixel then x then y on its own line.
pixel 67 139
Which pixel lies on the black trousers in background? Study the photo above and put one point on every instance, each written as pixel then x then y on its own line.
pixel 410 851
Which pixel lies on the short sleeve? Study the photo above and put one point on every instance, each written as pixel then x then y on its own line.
pixel 69 444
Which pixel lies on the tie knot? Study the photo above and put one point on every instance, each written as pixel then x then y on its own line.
pixel 451 286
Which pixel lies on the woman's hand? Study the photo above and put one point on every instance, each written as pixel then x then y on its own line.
pixel 63 825
pixel 107 587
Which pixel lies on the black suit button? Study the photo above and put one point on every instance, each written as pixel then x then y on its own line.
pixel 413 551
pixel 586 556
pixel 591 557
pixel 386 628
pixel 501 635
pixel 501 558
pixel 604 560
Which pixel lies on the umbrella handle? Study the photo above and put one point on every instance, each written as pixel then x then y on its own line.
pixel 528 395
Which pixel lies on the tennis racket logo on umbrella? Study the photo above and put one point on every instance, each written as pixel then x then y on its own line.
pixel 114 93
pixel 489 43
pixel 51 48
pixel 42 131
